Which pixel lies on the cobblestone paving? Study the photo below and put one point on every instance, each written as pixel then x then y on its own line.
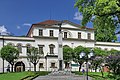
pixel 62 77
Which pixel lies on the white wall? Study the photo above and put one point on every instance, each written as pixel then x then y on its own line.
pixel 108 45
pixel 71 33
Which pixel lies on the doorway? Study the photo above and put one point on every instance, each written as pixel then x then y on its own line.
pixel 19 67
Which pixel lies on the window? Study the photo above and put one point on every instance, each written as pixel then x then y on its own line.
pixel 40 32
pixel 40 49
pixel 89 36
pixel 27 48
pixel 41 65
pixel 52 65
pixel 51 46
pixel 79 35
pixel 51 50
pixel 51 33
pixel 19 47
pixel 65 34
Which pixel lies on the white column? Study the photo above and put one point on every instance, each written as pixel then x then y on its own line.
pixel 60 51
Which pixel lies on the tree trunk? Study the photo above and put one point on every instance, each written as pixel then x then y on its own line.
pixel 12 67
pixel 96 68
pixel 80 67
pixel 3 65
pixel 34 67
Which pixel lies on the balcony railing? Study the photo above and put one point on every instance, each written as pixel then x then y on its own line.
pixel 52 54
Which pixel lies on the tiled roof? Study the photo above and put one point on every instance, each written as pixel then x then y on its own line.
pixel 48 22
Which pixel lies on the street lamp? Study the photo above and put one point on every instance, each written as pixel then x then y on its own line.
pixel 86 57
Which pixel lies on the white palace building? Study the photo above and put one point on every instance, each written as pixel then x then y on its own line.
pixel 44 36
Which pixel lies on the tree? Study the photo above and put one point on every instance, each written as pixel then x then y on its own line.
pixel 34 55
pixel 10 54
pixel 77 51
pixel 114 63
pixel 67 54
pixel 104 29
pixel 105 15
pixel 100 56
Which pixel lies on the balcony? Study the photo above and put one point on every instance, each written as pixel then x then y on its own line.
pixel 52 55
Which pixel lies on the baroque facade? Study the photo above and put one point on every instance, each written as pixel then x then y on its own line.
pixel 44 36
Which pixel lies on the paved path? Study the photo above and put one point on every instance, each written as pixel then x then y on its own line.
pixel 61 77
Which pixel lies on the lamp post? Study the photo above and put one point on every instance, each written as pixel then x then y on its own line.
pixel 87 57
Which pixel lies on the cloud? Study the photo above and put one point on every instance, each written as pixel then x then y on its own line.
pixel 78 16
pixel 26 24
pixel 3 30
pixel 18 27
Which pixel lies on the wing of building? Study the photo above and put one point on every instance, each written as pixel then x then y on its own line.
pixel 44 35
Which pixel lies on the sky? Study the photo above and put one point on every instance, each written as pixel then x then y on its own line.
pixel 16 16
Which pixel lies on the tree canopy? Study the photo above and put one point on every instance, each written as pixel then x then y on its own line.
pixel 9 53
pixel 105 15
pixel 77 51
pixel 67 53
pixel 33 56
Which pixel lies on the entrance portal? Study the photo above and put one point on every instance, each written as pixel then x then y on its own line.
pixel 19 66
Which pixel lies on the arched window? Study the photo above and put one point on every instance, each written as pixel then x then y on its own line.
pixel 19 47
pixel 27 48
pixel 51 46
pixel 65 34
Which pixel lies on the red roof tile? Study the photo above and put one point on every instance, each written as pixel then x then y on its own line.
pixel 48 22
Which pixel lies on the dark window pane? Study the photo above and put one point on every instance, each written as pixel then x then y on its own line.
pixel 40 65
pixel 51 33
pixel 65 34
pixel 79 35
pixel 52 65
pixel 40 32
pixel 89 36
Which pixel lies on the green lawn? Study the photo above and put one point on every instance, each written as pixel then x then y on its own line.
pixel 13 76
pixel 98 76
pixel 21 75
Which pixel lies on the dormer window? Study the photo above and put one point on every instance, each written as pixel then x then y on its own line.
pixel 89 36
pixel 79 35
pixel 40 32
pixel 51 33
pixel 65 34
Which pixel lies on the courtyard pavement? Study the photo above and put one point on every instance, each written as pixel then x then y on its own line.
pixel 62 76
